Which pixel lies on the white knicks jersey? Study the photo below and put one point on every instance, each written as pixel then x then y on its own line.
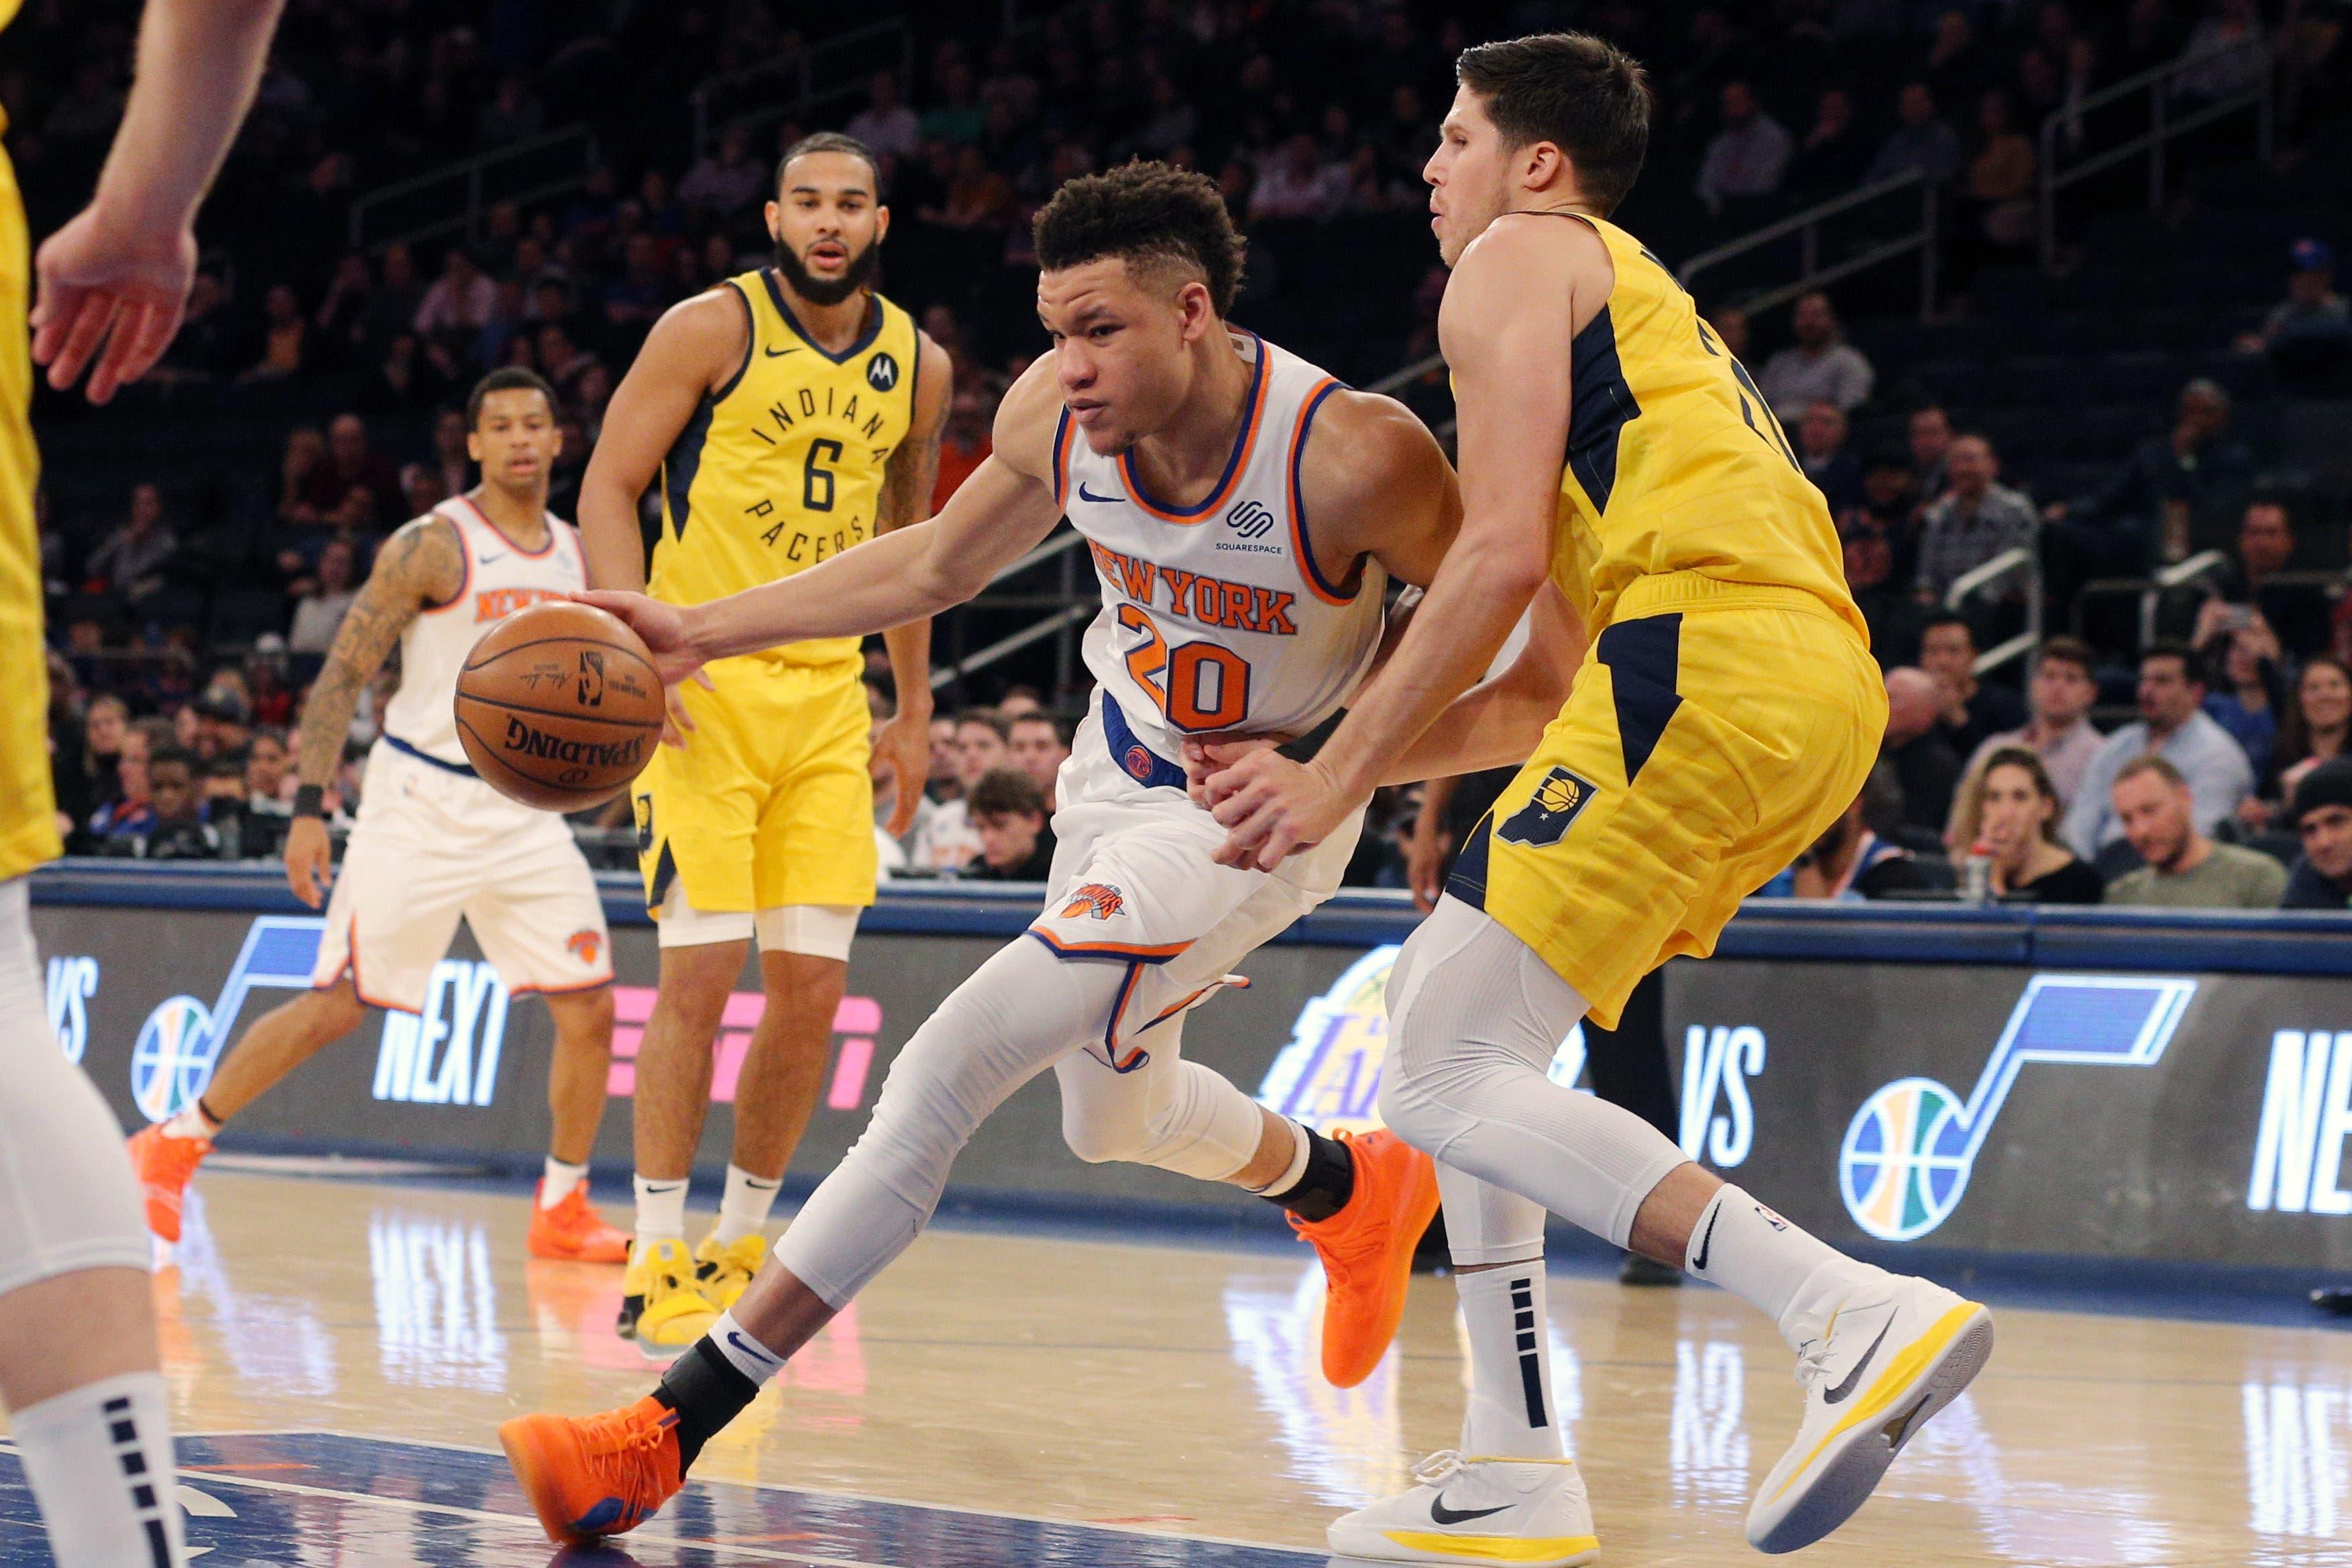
pixel 500 578
pixel 1214 617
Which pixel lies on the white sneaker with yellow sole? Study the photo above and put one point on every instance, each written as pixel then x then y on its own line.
pixel 1527 1513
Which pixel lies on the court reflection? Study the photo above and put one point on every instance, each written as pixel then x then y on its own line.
pixel 1706 1449
pixel 2298 1458
pixel 203 1320
pixel 437 1303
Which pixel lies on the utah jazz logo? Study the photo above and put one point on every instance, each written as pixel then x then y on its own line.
pixel 1250 520
pixel 173 1060
pixel 1099 899
pixel 881 372
pixel 1545 818
pixel 1908 1154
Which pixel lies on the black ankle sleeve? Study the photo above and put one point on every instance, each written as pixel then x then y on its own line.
pixel 1329 1184
pixel 708 1392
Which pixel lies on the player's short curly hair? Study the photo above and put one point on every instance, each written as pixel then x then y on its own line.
pixel 1143 212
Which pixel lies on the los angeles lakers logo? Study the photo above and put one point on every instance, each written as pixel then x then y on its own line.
pixel 1099 899
pixel 1544 819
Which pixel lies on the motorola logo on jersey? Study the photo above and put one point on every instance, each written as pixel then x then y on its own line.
pixel 2306 1118
pixel 448 1054
pixel 882 372
pixel 72 982
pixel 1250 520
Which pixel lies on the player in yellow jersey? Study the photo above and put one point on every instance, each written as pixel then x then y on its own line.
pixel 87 1410
pixel 1728 710
pixel 784 416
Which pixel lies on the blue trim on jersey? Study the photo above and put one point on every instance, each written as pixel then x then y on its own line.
pixel 460 769
pixel 864 339
pixel 1298 499
pixel 1251 412
pixel 1131 756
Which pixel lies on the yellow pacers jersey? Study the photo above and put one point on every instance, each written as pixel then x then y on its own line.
pixel 782 467
pixel 28 829
pixel 1676 469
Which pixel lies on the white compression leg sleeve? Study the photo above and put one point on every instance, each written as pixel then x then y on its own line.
pixel 67 1200
pixel 1175 1115
pixel 1018 1014
pixel 1474 1017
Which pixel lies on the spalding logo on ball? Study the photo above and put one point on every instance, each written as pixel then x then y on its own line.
pixel 559 706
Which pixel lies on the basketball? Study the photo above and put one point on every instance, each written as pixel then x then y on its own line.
pixel 558 706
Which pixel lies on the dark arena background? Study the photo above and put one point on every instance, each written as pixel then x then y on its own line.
pixel 2045 296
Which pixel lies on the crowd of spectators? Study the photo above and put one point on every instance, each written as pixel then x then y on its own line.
pixel 168 600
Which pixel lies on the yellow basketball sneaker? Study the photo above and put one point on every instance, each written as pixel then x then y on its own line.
pixel 662 1306
pixel 723 1273
pixel 1890 1355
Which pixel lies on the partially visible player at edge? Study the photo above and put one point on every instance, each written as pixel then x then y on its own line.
pixel 87 1411
pixel 786 416
pixel 1151 418
pixel 1730 711
pixel 433 841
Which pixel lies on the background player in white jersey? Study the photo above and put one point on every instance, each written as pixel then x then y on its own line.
pixel 433 842
pixel 1244 512
pixel 79 1372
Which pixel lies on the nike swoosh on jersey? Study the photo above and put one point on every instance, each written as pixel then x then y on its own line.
pixel 1844 1390
pixel 1086 494
pixel 1441 1514
pixel 777 353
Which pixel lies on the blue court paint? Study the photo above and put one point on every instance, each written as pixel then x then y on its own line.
pixel 277 1498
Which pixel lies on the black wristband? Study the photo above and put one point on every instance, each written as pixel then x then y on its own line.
pixel 311 800
pixel 1302 748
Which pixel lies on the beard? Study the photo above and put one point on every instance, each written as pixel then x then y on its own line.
pixel 817 290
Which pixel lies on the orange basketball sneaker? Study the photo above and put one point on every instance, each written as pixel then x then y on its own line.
pixel 163 1166
pixel 598 1476
pixel 573 1230
pixel 1367 1252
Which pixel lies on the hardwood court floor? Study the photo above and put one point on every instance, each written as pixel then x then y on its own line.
pixel 1143 1397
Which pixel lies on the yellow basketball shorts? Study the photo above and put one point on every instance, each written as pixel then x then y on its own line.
pixel 29 826
pixel 1698 755
pixel 769 802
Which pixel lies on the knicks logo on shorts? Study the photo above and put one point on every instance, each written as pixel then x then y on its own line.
pixel 1139 764
pixel 584 945
pixel 1544 819
pixel 1097 898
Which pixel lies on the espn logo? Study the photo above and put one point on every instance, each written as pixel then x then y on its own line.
pixel 1250 520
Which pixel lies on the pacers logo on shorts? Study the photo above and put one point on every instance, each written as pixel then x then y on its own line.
pixel 1099 899
pixel 1545 818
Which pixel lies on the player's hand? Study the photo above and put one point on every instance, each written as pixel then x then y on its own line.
pixel 109 297
pixel 662 628
pixel 1203 758
pixel 307 857
pixel 903 745
pixel 1424 857
pixel 1273 808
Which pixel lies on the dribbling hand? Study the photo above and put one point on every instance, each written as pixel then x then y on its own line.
pixel 662 628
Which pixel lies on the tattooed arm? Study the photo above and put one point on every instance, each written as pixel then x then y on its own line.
pixel 905 743
pixel 422 566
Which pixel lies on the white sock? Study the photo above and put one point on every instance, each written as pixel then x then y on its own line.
pixel 1294 1172
pixel 191 1124
pixel 99 1461
pixel 1510 1410
pixel 1768 1262
pixel 745 1353
pixel 743 1206
pixel 661 1211
pixel 555 1184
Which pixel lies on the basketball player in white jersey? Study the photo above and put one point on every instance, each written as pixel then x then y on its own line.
pixel 1244 514
pixel 434 842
